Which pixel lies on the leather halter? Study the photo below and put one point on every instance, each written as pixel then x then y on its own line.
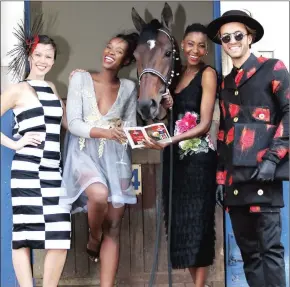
pixel 168 78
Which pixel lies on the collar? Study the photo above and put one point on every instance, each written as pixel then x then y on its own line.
pixel 238 77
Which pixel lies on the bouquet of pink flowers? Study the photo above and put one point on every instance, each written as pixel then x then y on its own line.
pixel 188 122
pixel 194 145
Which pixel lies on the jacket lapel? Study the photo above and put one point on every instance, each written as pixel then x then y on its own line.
pixel 229 81
pixel 249 68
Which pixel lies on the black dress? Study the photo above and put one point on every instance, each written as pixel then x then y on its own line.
pixel 193 194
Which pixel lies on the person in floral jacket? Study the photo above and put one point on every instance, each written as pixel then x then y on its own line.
pixel 253 147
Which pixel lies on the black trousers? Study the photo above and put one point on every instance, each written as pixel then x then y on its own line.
pixel 258 236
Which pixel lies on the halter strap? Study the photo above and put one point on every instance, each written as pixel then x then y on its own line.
pixel 153 71
pixel 165 79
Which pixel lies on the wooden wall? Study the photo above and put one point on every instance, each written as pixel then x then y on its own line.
pixel 137 246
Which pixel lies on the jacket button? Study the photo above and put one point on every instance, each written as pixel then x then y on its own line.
pixel 236 92
pixel 236 119
pixel 260 192
pixel 236 192
pixel 261 116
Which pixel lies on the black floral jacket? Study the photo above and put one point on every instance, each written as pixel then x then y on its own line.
pixel 254 104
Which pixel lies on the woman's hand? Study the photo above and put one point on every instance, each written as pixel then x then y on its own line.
pixel 29 138
pixel 152 144
pixel 117 134
pixel 75 71
pixel 167 100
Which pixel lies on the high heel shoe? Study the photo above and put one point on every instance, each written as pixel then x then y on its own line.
pixel 94 255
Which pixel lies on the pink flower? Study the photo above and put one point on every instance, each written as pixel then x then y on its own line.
pixel 188 122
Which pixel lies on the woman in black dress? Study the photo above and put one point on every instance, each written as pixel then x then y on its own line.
pixel 194 161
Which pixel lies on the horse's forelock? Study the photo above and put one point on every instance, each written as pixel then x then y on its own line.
pixel 150 31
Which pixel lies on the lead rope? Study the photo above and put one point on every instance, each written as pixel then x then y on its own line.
pixel 170 202
pixel 160 213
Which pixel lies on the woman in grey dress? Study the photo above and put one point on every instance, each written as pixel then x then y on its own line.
pixel 97 172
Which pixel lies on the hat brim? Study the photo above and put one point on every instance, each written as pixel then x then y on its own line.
pixel 214 27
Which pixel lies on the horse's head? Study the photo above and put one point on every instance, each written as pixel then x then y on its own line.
pixel 157 58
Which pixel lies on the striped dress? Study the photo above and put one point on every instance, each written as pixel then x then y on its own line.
pixel 39 221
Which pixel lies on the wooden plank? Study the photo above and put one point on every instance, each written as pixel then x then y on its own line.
pixel 149 215
pixel 81 238
pixel 69 267
pixel 129 285
pixel 218 284
pixel 219 274
pixel 162 261
pixel 146 156
pixel 174 285
pixel 149 186
pixel 124 261
pixel 136 236
pixel 38 262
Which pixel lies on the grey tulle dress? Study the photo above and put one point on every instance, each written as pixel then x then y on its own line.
pixel 94 160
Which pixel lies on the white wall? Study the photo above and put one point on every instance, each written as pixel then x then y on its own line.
pixel 274 17
pixel 12 13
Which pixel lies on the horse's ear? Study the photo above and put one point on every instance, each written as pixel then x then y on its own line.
pixel 138 22
pixel 167 17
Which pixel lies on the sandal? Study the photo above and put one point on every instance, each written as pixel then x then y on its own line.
pixel 94 255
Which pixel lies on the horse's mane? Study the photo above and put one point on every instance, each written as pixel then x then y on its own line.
pixel 177 68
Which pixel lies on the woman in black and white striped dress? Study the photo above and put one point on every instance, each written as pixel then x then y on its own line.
pixel 39 221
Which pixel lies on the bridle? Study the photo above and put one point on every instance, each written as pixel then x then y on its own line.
pixel 168 78
pixel 167 81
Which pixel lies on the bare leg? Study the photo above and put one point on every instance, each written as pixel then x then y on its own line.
pixel 22 266
pixel 201 275
pixel 110 246
pixel 192 271
pixel 97 205
pixel 53 266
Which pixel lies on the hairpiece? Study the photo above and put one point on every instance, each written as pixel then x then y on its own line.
pixel 28 40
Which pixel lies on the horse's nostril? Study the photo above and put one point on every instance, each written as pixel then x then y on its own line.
pixel 153 103
pixel 147 108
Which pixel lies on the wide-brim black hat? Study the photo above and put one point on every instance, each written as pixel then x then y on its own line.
pixel 234 16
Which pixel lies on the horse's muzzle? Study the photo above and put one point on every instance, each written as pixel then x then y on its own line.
pixel 148 109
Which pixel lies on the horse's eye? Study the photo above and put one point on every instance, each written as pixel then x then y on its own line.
pixel 168 53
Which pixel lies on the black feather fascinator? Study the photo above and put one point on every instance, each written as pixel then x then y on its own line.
pixel 27 41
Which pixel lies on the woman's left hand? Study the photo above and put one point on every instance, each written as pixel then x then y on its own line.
pixel 152 144
pixel 75 71
pixel 167 100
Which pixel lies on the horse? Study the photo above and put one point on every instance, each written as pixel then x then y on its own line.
pixel 157 59
pixel 158 69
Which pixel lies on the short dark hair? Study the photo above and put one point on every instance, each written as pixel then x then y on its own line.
pixel 132 41
pixel 195 27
